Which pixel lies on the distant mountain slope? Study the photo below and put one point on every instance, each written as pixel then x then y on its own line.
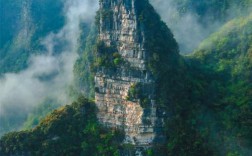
pixel 10 13
pixel 25 30
pixel 23 25
pixel 226 57
pixel 214 10
pixel 192 21
pixel 230 48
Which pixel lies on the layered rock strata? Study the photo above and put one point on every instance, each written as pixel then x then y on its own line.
pixel 137 117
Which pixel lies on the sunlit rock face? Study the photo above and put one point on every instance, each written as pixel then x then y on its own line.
pixel 137 117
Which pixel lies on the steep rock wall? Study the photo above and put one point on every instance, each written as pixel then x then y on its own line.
pixel 137 116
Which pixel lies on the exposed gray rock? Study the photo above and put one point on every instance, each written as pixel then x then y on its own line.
pixel 112 86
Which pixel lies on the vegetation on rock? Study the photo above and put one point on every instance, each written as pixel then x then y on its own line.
pixel 69 130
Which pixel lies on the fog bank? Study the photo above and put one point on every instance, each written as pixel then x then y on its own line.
pixel 49 74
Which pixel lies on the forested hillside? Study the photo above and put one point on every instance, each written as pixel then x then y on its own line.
pixel 23 25
pixel 212 10
pixel 192 20
pixel 69 130
pixel 225 57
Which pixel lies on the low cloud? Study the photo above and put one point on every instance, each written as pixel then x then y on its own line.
pixel 187 29
pixel 50 74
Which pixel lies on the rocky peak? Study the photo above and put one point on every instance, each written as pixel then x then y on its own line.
pixel 125 93
pixel 119 27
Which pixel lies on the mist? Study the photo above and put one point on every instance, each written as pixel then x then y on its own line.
pixel 51 73
pixel 187 29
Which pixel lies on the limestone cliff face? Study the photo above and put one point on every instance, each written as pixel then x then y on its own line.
pixel 121 28
pixel 137 115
